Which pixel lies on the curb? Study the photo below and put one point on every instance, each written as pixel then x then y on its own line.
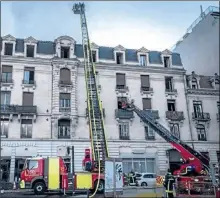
pixel 15 191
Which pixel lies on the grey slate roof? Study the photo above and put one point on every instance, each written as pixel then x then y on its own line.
pixel 48 47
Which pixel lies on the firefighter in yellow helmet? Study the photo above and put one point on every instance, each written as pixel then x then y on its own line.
pixel 168 184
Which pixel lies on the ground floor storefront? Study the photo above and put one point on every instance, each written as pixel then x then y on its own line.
pixel 141 156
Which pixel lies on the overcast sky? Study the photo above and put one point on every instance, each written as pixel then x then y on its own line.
pixel 155 25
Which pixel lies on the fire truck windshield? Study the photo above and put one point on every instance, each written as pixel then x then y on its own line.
pixel 30 164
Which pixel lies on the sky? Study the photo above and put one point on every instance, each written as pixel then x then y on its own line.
pixel 156 25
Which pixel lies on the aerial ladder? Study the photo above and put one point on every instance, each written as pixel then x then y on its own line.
pixel 94 105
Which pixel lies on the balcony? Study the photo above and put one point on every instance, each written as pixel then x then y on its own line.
pixel 201 116
pixel 146 90
pixel 170 92
pixel 122 137
pixel 7 82
pixel 28 83
pixel 123 114
pixel 121 89
pixel 65 83
pixel 153 113
pixel 175 115
pixel 18 109
pixel 87 113
pixel 65 109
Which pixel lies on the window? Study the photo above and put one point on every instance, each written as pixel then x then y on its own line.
pixel 120 101
pixel 218 156
pixel 5 97
pixel 26 128
pixel 149 176
pixel 8 49
pixel 166 61
pixel 28 75
pixel 145 83
pixel 120 81
pixel 4 128
pixel 201 132
pixel 198 111
pixel 6 74
pixel 139 165
pixel 65 77
pixel 30 50
pixel 67 164
pixel 169 83
pixel 65 52
pixel 94 59
pixel 194 83
pixel 143 60
pixel 64 128
pixel 218 106
pixel 65 100
pixel 175 130
pixel 149 133
pixel 124 131
pixel 28 99
pixel 32 164
pixel 146 103
pixel 171 105
pixel 119 58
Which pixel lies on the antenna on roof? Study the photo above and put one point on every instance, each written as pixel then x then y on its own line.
pixel 202 14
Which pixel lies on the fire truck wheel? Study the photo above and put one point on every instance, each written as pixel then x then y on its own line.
pixel 101 186
pixel 39 188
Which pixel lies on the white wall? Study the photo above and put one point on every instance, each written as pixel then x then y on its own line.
pixel 199 51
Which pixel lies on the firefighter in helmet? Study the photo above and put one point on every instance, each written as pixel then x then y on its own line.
pixel 168 184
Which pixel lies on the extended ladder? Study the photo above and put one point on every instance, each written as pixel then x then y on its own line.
pixel 96 124
pixel 168 136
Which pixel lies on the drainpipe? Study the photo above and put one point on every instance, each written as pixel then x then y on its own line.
pixel 188 113
pixel 51 125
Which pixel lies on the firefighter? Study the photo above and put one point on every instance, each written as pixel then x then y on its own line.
pixel 132 178
pixel 168 184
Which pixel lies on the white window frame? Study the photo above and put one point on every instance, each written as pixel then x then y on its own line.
pixel 123 128
pixel 203 134
pixel 25 49
pixel 173 127
pixel 150 132
pixel 26 130
pixel 4 128
pixel 6 94
pixel 140 61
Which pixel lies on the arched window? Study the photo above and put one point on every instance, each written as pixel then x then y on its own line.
pixel 201 132
pixel 65 76
pixel 194 83
pixel 64 129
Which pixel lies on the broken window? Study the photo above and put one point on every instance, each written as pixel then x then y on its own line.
pixel 6 74
pixel 94 56
pixel 119 58
pixel 65 52
pixel 120 101
pixel 28 75
pixel 8 49
pixel 145 83
pixel 171 105
pixel 194 83
pixel 169 83
pixel 120 81
pixel 143 60
pixel 166 60
pixel 146 103
pixel 30 51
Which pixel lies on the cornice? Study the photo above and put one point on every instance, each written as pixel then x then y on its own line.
pixel 203 92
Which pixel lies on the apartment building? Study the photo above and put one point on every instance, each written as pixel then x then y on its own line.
pixel 44 109
pixel 204 108
pixel 199 46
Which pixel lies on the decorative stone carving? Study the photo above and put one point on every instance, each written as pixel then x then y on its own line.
pixel 166 52
pixel 143 50
pixel 119 48
pixel 8 38
pixel 31 40
pixel 94 46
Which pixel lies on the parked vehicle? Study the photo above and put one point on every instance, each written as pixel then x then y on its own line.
pixel 146 179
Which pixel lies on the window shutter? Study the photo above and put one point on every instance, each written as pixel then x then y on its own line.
pixel 64 96
pixel 146 103
pixel 145 81
pixel 6 69
pixel 65 75
pixel 120 79
pixel 28 99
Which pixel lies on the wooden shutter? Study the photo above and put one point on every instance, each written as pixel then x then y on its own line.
pixel 65 75
pixel 145 82
pixel 146 103
pixel 28 99
pixel 120 79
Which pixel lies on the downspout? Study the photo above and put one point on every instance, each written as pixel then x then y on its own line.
pixel 51 125
pixel 187 108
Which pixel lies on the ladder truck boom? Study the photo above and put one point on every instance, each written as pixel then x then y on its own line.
pixel 95 114
pixel 191 156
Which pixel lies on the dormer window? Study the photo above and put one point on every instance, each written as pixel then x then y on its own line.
pixel 119 58
pixel 166 60
pixel 143 60
pixel 194 83
pixel 94 56
pixel 30 51
pixel 65 52
pixel 8 49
